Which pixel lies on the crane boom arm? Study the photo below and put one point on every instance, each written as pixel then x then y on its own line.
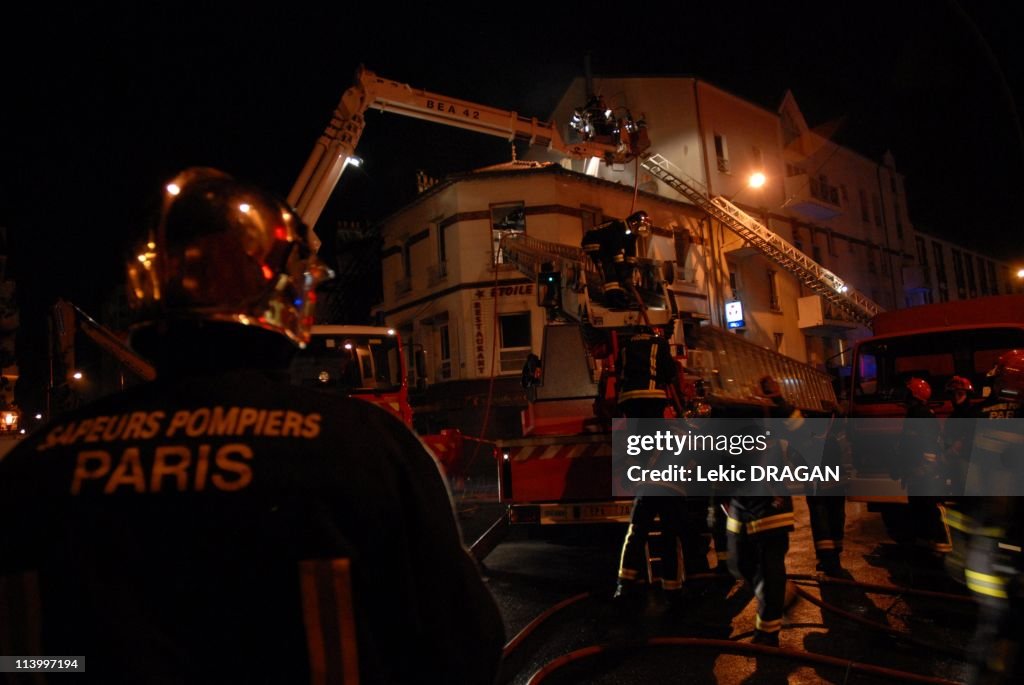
pixel 335 148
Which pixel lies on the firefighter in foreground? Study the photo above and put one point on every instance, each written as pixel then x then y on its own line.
pixel 992 528
pixel 646 370
pixel 220 525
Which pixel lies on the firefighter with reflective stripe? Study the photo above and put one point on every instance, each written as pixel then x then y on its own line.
pixel 637 224
pixel 957 433
pixel 758 531
pixel 992 527
pixel 827 508
pixel 607 246
pixel 646 367
pixel 218 525
pixel 920 467
pixel 646 370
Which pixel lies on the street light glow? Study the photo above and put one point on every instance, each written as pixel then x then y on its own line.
pixel 1020 273
pixel 77 375
pixel 756 180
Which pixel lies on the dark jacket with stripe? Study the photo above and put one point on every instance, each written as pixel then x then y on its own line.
pixel 646 367
pixel 230 528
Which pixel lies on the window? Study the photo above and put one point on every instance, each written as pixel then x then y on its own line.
pixel 816 251
pixel 940 271
pixel 842 194
pixel 863 206
pixel 830 240
pixel 958 274
pixel 778 341
pixel 515 340
pixel 446 351
pixel 885 263
pixel 872 263
pixel 407 259
pixel 404 284
pixel 756 158
pixel 439 271
pixel 972 286
pixel 991 268
pixel 885 366
pixel 876 208
pixel 982 277
pixel 734 280
pixel 773 291
pixel 798 242
pixel 506 218
pixel 922 259
pixel 442 252
pixel 899 221
pixel 722 153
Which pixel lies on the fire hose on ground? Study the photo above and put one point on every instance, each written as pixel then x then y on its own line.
pixel 749 648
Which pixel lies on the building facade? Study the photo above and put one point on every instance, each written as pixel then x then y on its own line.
pixel 472 318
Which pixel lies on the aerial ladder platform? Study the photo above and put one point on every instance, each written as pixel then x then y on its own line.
pixel 569 270
pixel 813 275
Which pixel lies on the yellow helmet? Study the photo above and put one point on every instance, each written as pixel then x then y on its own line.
pixel 228 252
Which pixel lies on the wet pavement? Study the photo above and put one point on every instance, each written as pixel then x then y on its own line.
pixel 532 570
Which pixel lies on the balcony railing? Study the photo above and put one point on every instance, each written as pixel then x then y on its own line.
pixel 824 191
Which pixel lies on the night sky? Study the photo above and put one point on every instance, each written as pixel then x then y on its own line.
pixel 102 106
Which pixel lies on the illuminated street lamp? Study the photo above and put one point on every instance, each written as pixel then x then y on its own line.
pixel 757 180
pixel 77 375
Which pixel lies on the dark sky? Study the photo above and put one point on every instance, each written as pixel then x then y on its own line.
pixel 102 106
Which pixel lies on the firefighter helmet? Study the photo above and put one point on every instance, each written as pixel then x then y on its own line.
pixel 638 221
pixel 228 252
pixel 919 389
pixel 960 383
pixel 1008 375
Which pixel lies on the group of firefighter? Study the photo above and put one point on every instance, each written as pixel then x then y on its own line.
pixel 751 533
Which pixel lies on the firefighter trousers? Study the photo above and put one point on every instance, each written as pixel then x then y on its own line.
pixel 828 523
pixel 671 514
pixel 994 578
pixel 760 560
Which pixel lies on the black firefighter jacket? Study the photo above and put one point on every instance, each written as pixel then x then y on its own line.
pixel 230 528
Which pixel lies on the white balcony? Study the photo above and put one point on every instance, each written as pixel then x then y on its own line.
pixel 818 316
pixel 811 198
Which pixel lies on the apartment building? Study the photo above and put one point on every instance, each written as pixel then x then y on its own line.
pixel 447 291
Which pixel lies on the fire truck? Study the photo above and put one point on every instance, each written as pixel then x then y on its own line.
pixel 559 470
pixel 933 342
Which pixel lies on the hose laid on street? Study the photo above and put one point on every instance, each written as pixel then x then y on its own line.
pixel 874 625
pixel 881 589
pixel 532 625
pixel 744 647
